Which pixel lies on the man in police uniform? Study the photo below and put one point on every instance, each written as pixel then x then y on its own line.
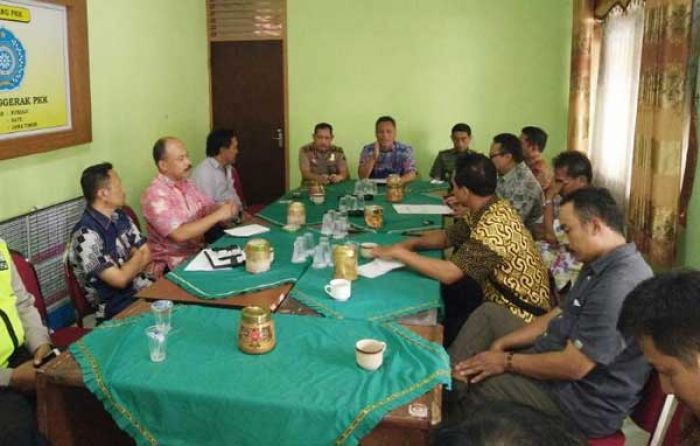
pixel 322 161
pixel 24 341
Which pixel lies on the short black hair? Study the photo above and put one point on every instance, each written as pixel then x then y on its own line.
pixel 536 136
pixel 462 127
pixel 477 173
pixel 510 423
pixel 666 308
pixel 596 202
pixel 219 139
pixel 576 164
pixel 93 179
pixel 159 148
pixel 510 144
pixel 384 119
pixel 323 125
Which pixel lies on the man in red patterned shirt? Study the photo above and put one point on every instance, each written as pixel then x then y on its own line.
pixel 176 212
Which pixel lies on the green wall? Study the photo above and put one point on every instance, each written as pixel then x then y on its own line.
pixel 149 77
pixel 498 65
pixel 689 254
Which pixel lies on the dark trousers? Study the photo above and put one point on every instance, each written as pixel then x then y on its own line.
pixel 116 303
pixel 213 234
pixel 460 299
pixel 17 417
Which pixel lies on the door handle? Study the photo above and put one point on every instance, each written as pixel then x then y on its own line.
pixel 279 138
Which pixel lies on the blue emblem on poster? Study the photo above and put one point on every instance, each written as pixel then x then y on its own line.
pixel 12 60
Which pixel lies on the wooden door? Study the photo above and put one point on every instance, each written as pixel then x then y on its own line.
pixel 247 94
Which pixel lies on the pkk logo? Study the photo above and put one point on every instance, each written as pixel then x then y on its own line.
pixel 12 60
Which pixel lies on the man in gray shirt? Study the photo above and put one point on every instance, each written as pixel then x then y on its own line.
pixel 213 175
pixel 571 362
pixel 516 183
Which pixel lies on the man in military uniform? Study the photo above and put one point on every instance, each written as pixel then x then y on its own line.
pixel 320 160
pixel 24 341
pixel 444 164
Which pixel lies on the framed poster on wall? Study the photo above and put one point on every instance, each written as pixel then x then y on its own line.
pixel 44 76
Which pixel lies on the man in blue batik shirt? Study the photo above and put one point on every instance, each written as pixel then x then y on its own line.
pixel 387 155
pixel 107 252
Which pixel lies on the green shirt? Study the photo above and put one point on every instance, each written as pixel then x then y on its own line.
pixel 444 164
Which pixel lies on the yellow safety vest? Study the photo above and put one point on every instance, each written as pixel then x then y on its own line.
pixel 11 330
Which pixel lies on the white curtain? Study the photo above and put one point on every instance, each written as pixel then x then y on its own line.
pixel 616 101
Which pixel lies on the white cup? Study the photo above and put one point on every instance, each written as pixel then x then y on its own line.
pixel 317 198
pixel 366 248
pixel 370 353
pixel 338 289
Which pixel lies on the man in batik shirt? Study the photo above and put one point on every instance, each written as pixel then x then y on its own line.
pixel 572 171
pixel 492 249
pixel 387 156
pixel 176 212
pixel 516 183
pixel 107 252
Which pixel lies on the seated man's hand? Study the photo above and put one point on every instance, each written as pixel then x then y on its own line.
pixel 145 253
pixel 24 377
pixel 553 190
pixel 480 366
pixel 226 211
pixel 40 352
pixel 388 252
pixel 496 346
pixel 457 208
pixel 335 178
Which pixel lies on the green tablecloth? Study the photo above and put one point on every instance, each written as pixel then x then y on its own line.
pixel 308 390
pixel 398 293
pixel 226 282
pixel 417 192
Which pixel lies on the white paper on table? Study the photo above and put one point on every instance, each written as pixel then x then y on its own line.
pixel 247 230
pixel 378 180
pixel 438 209
pixel 200 263
pixel 378 267
pixel 434 181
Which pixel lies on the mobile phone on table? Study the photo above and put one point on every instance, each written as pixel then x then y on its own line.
pixel 49 356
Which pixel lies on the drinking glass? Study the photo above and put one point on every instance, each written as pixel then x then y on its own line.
pixel 156 343
pixel 162 311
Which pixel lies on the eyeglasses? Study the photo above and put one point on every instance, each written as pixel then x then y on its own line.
pixel 496 154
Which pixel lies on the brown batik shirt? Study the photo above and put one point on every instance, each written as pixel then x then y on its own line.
pixel 494 248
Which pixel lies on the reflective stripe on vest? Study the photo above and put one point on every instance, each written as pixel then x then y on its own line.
pixel 11 330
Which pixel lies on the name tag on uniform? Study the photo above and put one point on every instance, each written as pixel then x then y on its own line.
pixel 577 303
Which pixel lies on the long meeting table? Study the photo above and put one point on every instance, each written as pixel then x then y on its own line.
pixel 70 414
